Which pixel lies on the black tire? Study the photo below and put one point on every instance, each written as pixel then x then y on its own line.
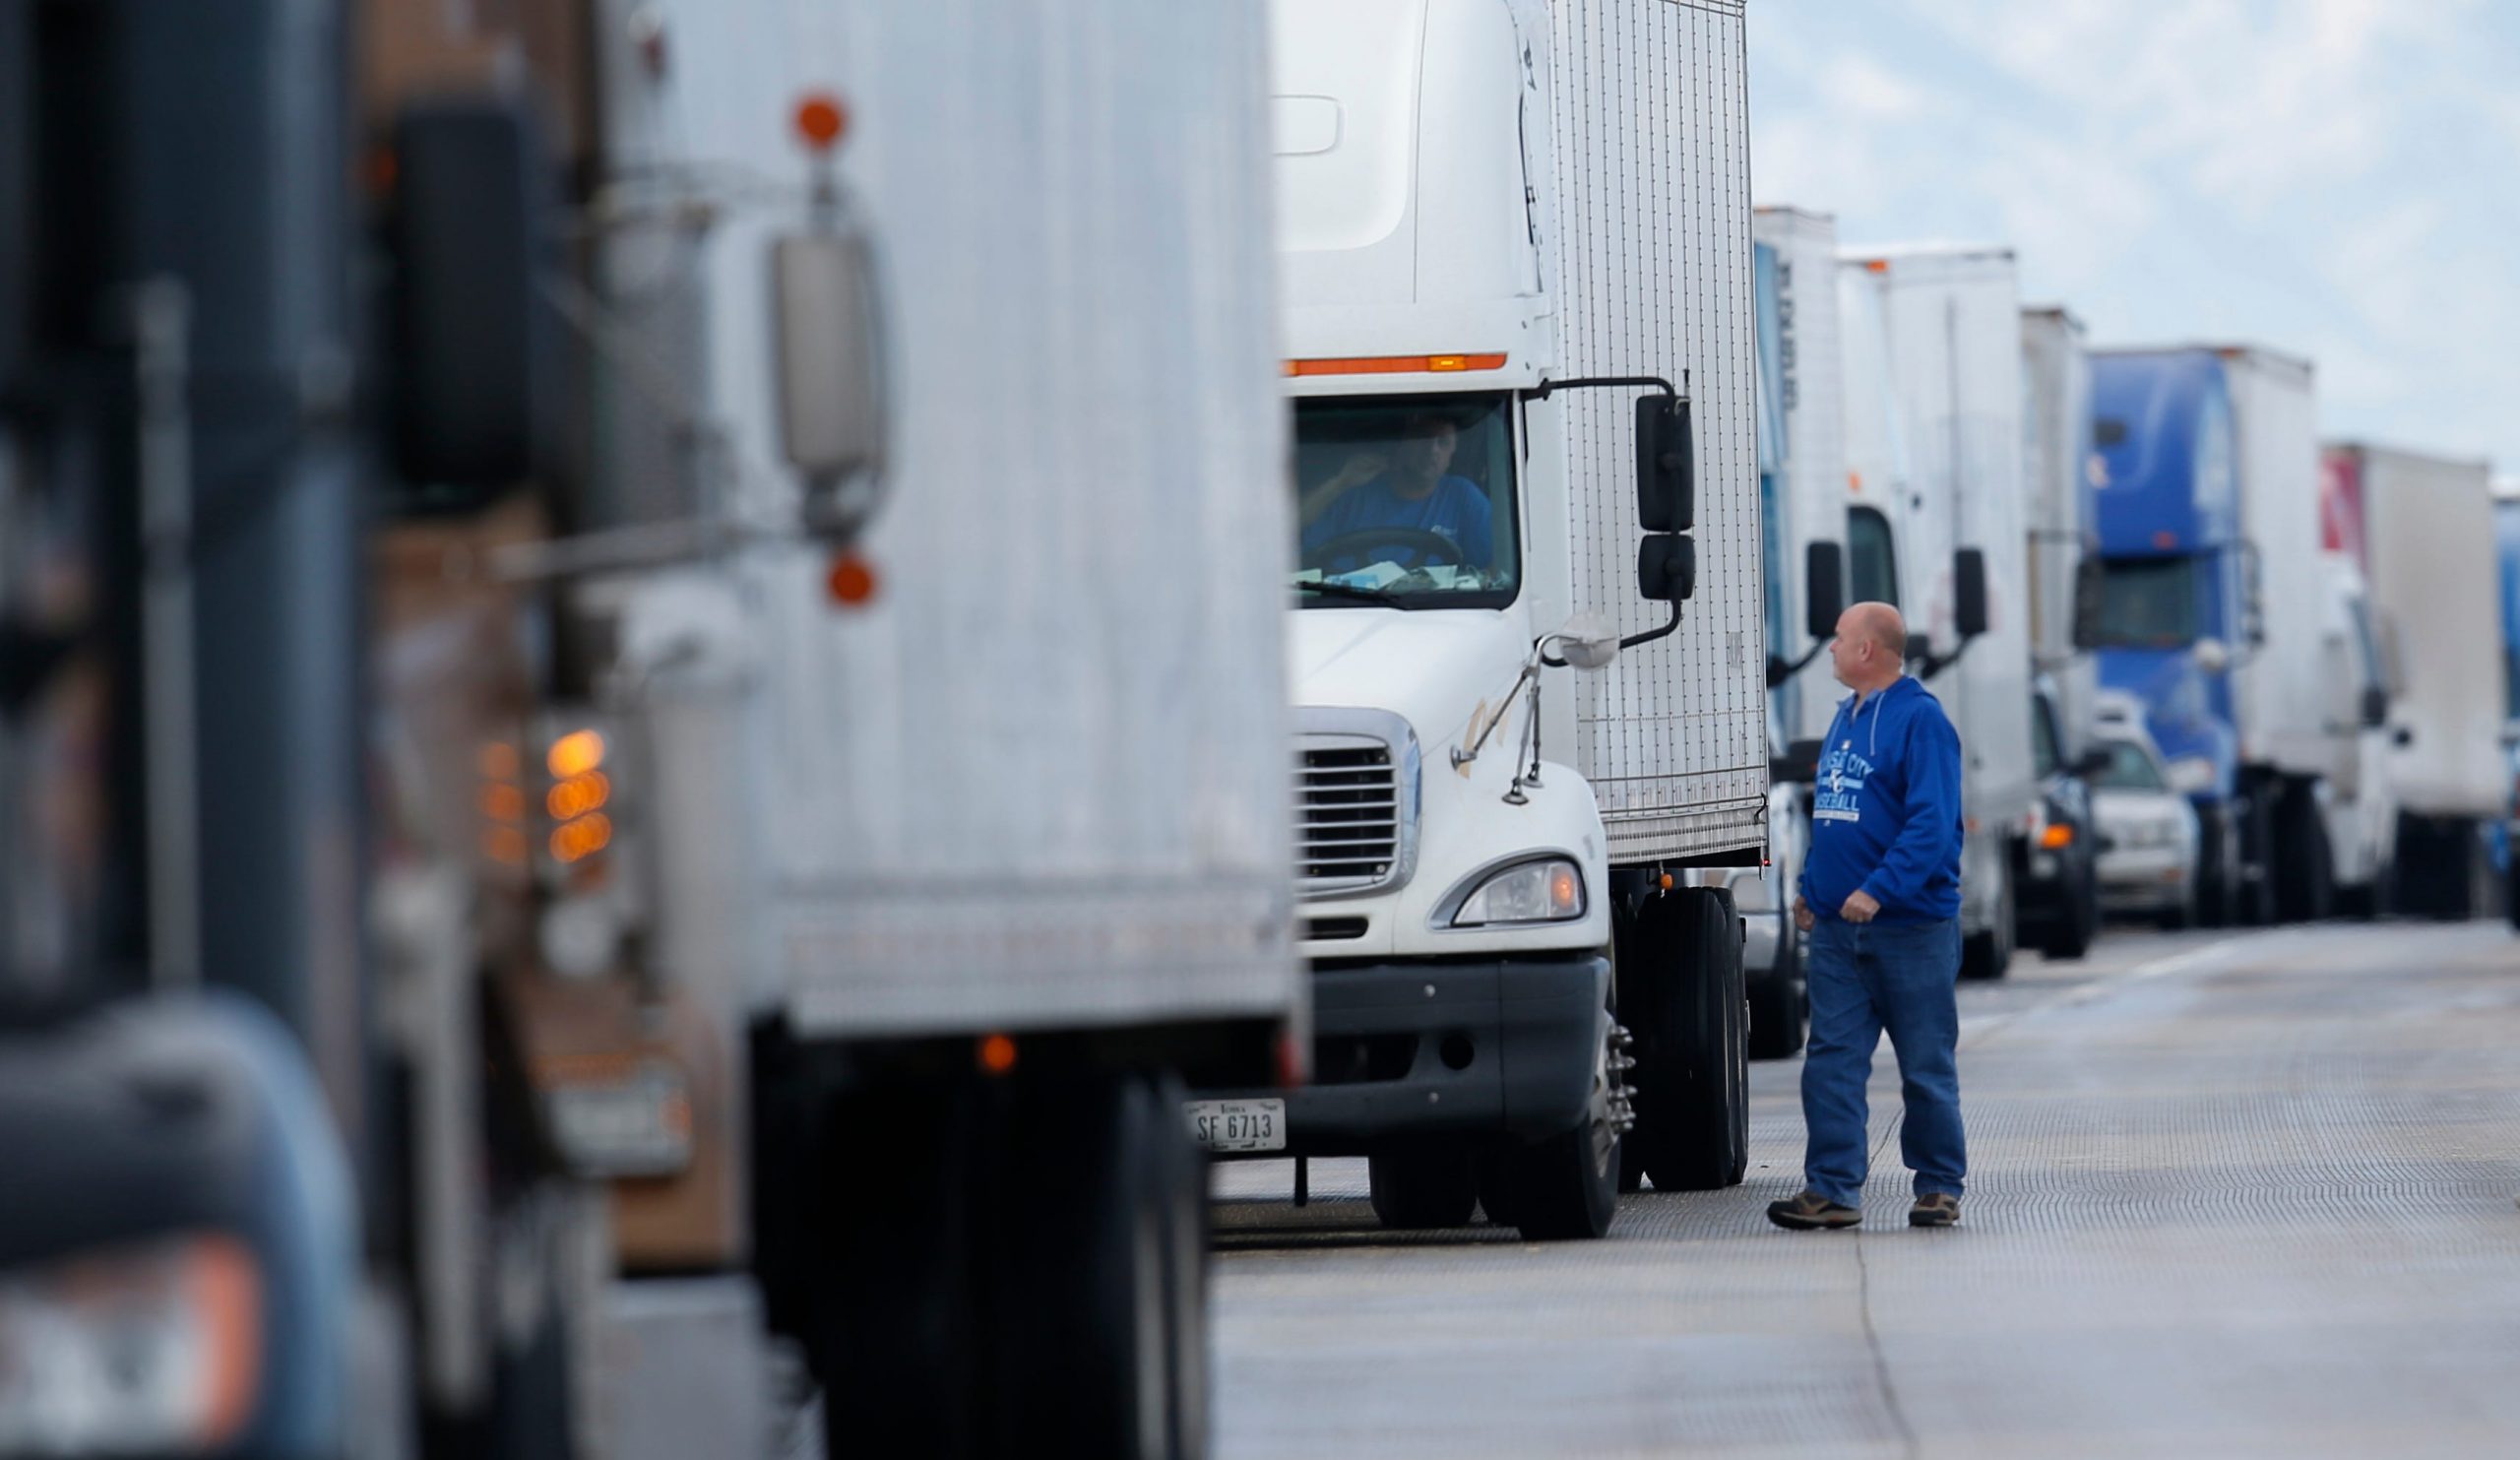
pixel 1777 1002
pixel 2218 862
pixel 2306 881
pixel 2256 894
pixel 2511 882
pixel 1421 1186
pixel 1684 998
pixel 1987 955
pixel 1566 1188
pixel 1058 1287
pixel 2077 923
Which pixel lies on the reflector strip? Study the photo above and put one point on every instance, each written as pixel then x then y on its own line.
pixel 1396 364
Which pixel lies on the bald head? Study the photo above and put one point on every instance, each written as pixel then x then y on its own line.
pixel 1870 651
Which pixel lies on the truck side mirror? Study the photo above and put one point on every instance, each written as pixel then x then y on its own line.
pixel 826 317
pixel 2093 763
pixel 1666 568
pixel 1824 587
pixel 2091 586
pixel 1666 466
pixel 1800 764
pixel 2375 706
pixel 471 224
pixel 1969 592
pixel 1920 649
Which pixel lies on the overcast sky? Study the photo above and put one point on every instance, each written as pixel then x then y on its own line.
pixel 2337 178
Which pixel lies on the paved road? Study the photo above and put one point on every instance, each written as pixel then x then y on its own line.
pixel 2242 1195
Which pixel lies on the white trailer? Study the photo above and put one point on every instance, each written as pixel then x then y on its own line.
pixel 973 840
pixel 2059 510
pixel 1814 410
pixel 2426 528
pixel 1948 344
pixel 1487 298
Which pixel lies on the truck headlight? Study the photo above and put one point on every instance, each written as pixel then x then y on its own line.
pixel 1547 890
pixel 153 1351
pixel 2190 775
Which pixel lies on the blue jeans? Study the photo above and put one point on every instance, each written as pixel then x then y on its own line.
pixel 1866 978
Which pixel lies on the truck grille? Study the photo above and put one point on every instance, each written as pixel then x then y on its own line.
pixel 1356 811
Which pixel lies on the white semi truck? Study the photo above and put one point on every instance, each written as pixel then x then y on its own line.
pixel 901 810
pixel 2420 529
pixel 1935 526
pixel 1526 639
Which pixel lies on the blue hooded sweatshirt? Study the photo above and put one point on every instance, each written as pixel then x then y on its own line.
pixel 1885 816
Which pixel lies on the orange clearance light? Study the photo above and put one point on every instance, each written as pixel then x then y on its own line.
pixel 574 754
pixel 503 803
pixel 505 845
pixel 851 581
pixel 1666 881
pixel 2056 837
pixel 997 1055
pixel 500 762
pixel 1876 266
pixel 1394 365
pixel 821 119
pixel 577 795
pixel 582 838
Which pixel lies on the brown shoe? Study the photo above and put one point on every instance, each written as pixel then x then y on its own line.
pixel 1813 1212
pixel 1936 1209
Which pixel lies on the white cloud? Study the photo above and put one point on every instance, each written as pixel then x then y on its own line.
pixel 2333 176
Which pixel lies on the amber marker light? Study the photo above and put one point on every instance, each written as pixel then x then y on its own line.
pixel 997 1055
pixel 1394 365
pixel 851 582
pixel 2056 837
pixel 821 121
pixel 574 754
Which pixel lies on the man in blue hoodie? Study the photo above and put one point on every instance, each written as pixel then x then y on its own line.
pixel 1880 898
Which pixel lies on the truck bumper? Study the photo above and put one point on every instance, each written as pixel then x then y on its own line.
pixel 1408 1050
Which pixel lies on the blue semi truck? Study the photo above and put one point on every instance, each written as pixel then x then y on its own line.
pixel 2250 645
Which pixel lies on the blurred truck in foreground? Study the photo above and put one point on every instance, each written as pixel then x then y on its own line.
pixel 745 831
pixel 1527 651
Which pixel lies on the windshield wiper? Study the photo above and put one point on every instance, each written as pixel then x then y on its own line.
pixel 1351 590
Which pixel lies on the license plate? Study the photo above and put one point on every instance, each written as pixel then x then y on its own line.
pixel 1239 1124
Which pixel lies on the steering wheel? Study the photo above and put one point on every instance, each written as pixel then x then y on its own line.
pixel 1430 547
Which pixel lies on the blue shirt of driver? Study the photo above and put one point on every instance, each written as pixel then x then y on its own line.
pixel 1456 510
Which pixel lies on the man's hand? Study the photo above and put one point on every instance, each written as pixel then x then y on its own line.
pixel 1859 906
pixel 1804 916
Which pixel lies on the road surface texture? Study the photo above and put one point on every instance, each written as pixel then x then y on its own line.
pixel 2230 1195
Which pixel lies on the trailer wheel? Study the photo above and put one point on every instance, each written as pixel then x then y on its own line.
pixel 2070 936
pixel 1035 1263
pixel 1417 1185
pixel 2305 889
pixel 1778 1002
pixel 1566 1188
pixel 1684 999
pixel 1988 955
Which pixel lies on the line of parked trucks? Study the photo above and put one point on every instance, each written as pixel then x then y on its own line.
pixel 656 743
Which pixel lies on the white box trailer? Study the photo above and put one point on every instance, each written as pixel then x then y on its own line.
pixel 2426 529
pixel 1814 410
pixel 981 831
pixel 2059 509
pixel 1482 284
pixel 2281 676
pixel 1949 345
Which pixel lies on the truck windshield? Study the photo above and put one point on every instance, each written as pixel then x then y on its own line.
pixel 2130 768
pixel 1410 498
pixel 2149 603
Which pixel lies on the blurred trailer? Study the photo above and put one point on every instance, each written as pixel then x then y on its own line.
pixel 2422 530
